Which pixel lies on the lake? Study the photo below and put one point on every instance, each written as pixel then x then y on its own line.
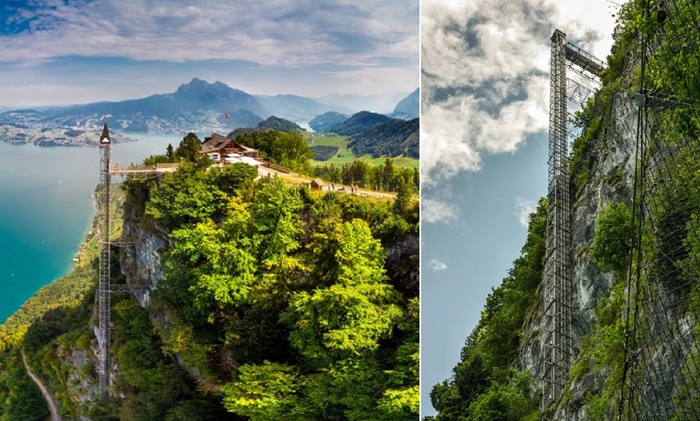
pixel 46 209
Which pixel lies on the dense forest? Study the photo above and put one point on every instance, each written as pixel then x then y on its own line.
pixel 635 228
pixel 275 302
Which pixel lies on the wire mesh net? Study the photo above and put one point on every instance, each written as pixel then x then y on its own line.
pixel 663 381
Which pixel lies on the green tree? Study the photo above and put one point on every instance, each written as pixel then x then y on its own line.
pixel 388 175
pixel 265 392
pixel 219 261
pixel 509 402
pixel 403 198
pixel 189 149
pixel 275 221
pixel 350 316
pixel 401 399
pixel 230 177
pixel 185 197
pixel 286 149
pixel 612 242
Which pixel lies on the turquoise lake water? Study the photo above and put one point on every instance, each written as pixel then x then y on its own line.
pixel 46 209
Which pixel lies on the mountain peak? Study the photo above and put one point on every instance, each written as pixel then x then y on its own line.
pixel 199 85
pixel 196 80
pixel 217 95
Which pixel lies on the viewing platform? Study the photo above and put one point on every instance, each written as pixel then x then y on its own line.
pixel 144 169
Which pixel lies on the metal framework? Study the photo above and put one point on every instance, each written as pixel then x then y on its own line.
pixel 556 300
pixel 577 93
pixel 582 62
pixel 103 289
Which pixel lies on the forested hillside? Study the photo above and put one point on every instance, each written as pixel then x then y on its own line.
pixel 393 138
pixel 359 122
pixel 279 124
pixel 241 299
pixel 635 190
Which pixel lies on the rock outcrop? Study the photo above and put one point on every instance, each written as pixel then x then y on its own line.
pixel 610 160
pixel 141 259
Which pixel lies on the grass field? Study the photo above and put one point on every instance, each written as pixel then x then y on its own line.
pixel 346 156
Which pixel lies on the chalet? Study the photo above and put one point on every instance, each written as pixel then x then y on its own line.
pixel 218 147
pixel 316 184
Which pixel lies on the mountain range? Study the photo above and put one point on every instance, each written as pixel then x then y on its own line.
pixel 367 132
pixel 197 106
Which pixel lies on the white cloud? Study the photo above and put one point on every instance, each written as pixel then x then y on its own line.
pixel 436 265
pixel 276 32
pixel 485 66
pixel 523 209
pixel 377 79
pixel 120 49
pixel 36 94
pixel 433 211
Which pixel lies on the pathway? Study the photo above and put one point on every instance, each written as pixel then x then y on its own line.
pixel 55 416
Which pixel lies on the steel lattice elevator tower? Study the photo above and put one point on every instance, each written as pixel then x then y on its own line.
pixel 556 299
pixel 103 289
pixel 557 279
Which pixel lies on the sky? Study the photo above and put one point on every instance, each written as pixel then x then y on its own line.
pixel 484 120
pixel 76 51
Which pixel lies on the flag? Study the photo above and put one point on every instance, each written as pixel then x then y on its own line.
pixel 228 116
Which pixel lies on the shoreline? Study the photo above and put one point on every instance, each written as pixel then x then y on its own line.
pixel 52 209
pixel 70 267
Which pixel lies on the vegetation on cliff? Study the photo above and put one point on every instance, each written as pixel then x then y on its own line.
pixel 277 303
pixel 289 293
pixel 484 384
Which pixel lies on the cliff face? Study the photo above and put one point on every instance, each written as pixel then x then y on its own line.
pixel 605 175
pixel 610 159
pixel 145 243
pixel 141 258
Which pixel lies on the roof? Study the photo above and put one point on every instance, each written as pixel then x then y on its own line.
pixel 317 181
pixel 214 143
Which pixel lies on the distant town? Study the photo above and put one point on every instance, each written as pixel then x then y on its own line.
pixel 55 136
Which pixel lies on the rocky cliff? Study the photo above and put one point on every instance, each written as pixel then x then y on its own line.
pixel 609 161
pixel 141 257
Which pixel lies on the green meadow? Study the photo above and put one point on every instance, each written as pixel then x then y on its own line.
pixel 345 155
